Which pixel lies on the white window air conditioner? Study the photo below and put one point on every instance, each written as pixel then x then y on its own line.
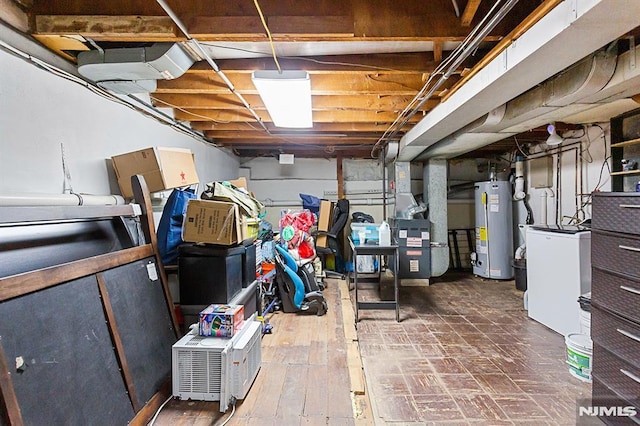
pixel 217 369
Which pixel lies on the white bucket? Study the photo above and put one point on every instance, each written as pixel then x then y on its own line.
pixel 579 352
pixel 585 322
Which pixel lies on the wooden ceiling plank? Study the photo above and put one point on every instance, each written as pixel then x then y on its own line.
pixel 61 44
pixel 469 12
pixel 363 151
pixel 381 84
pixel 201 27
pixel 437 52
pixel 311 26
pixel 319 102
pixel 387 19
pixel 277 140
pixel 317 127
pixel 246 28
pixel 261 135
pixel 387 63
pixel 318 116
pixel 102 27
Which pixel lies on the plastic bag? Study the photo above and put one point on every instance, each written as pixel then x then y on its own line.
pixel 170 227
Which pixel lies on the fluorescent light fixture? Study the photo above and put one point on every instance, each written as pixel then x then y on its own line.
pixel 286 95
pixel 554 138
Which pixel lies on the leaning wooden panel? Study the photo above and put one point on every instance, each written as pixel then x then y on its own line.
pixel 21 284
pixel 58 347
pixel 143 323
pixel 117 342
pixel 141 194
pixel 9 408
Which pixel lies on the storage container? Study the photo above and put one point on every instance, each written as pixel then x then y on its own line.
pixel 209 274
pixel 370 231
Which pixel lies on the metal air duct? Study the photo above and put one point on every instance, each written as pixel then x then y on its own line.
pixel 133 70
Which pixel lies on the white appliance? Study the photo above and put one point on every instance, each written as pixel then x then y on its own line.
pixel 558 272
pixel 214 368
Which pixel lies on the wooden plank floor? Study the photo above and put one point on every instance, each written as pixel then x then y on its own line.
pixel 304 379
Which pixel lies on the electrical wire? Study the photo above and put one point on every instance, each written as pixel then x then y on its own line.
pixel 188 112
pixel 300 58
pixel 233 411
pixel 462 51
pixel 155 417
pixel 166 120
pixel 266 28
pixel 211 62
pixel 515 138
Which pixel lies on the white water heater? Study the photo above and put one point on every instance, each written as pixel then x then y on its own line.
pixel 494 230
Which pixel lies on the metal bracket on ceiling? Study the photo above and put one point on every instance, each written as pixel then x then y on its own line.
pixel 632 52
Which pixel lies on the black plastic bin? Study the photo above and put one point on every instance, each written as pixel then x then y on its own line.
pixel 209 274
pixel 520 269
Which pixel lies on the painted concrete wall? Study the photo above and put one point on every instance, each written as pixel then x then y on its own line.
pixel 278 186
pixel 40 111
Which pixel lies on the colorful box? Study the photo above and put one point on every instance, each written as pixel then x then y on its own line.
pixel 221 320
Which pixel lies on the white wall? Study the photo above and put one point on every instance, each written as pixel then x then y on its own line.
pixel 39 111
pixel 278 186
pixel 574 187
pixel 588 152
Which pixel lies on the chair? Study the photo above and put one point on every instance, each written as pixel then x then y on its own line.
pixel 295 287
pixel 334 240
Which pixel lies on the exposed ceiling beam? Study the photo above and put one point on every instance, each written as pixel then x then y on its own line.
pixel 313 141
pixel 348 116
pixel 469 12
pixel 317 127
pixel 320 102
pixel 321 84
pixel 387 63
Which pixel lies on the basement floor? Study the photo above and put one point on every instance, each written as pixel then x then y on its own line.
pixel 465 352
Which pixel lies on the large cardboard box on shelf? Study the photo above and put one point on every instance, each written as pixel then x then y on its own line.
pixel 325 218
pixel 162 168
pixel 213 222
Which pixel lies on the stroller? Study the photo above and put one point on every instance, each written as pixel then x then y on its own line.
pixel 297 286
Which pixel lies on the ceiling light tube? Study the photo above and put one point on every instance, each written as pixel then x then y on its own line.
pixel 286 95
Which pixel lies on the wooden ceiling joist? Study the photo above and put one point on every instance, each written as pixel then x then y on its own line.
pixel 320 102
pixel 317 127
pixel 297 135
pixel 321 84
pixel 388 63
pixel 120 28
pixel 249 140
pixel 348 116
pixel 358 90
pixel 469 12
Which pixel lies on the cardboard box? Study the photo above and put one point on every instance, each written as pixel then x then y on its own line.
pixel 325 218
pixel 213 222
pixel 221 320
pixel 162 168
pixel 241 182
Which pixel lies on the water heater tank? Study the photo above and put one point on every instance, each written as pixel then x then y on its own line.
pixel 494 230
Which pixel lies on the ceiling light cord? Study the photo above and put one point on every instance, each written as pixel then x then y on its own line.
pixel 266 28
pixel 211 62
